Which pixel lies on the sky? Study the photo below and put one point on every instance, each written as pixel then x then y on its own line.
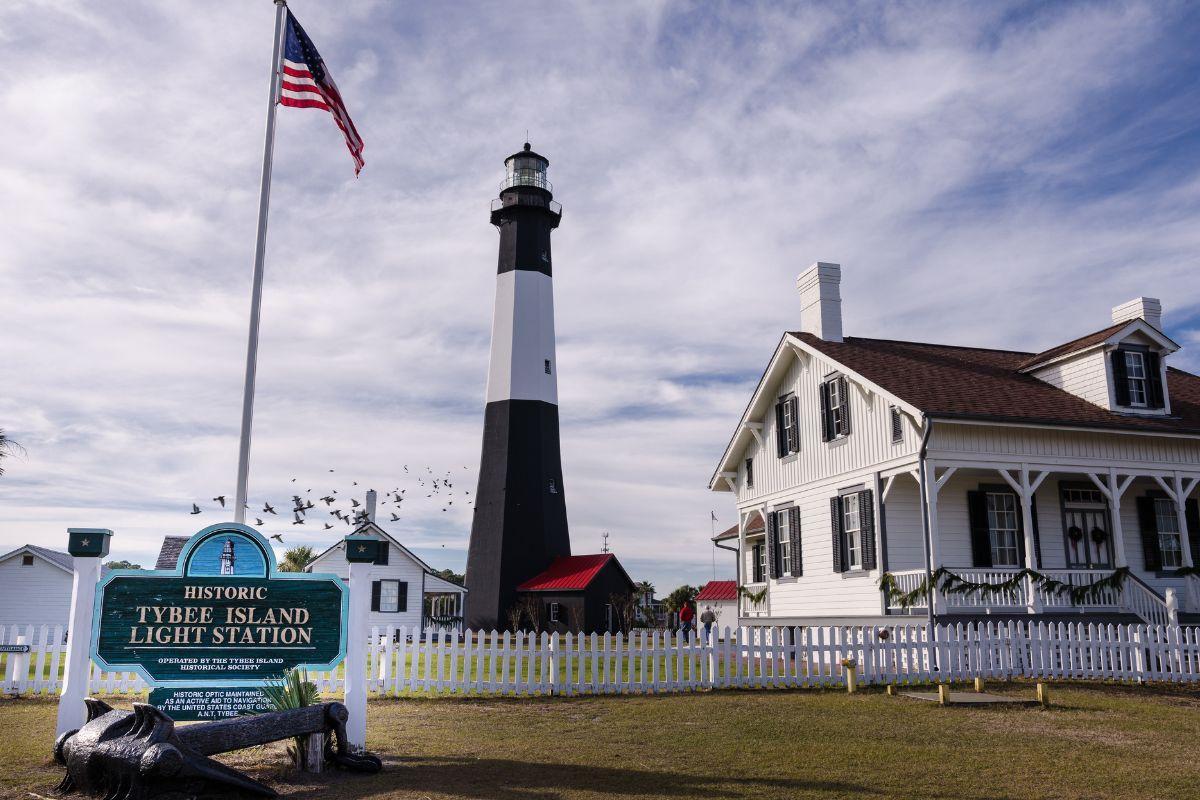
pixel 991 174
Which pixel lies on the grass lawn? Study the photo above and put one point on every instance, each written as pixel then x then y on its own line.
pixel 1120 742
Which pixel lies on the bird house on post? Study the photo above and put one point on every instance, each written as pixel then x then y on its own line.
pixel 362 549
pixel 88 542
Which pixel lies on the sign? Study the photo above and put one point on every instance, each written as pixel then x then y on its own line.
pixel 14 648
pixel 224 617
pixel 212 702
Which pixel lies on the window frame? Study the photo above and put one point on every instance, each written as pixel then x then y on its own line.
pixel 850 505
pixel 26 560
pixel 383 583
pixel 1176 535
pixel 554 611
pixel 783 541
pixel 897 423
pixel 1137 384
pixel 758 562
pixel 750 473
pixel 995 530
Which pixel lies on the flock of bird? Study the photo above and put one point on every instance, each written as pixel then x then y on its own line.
pixel 437 488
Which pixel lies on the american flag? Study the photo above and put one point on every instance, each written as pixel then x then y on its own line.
pixel 308 84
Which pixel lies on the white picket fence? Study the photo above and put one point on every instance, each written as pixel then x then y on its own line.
pixel 643 662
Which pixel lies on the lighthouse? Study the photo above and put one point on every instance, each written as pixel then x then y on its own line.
pixel 520 519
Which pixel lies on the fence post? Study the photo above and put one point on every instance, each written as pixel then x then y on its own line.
pixel 86 546
pixel 1172 607
pixel 553 647
pixel 19 666
pixel 361 552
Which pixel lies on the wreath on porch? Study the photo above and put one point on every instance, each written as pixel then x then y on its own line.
pixel 1075 533
pixel 948 582
pixel 1099 535
pixel 753 597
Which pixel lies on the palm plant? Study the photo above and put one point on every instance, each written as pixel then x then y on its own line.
pixel 295 559
pixel 291 690
pixel 7 448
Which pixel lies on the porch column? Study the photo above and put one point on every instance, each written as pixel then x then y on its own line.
pixel 763 511
pixel 1178 490
pixel 1113 489
pixel 933 485
pixel 741 563
pixel 1025 489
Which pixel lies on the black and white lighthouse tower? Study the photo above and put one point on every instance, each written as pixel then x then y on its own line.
pixel 520 523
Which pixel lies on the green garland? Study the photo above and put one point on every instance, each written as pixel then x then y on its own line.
pixel 753 597
pixel 1183 572
pixel 947 582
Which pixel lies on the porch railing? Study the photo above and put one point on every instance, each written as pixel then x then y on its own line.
pixel 1134 597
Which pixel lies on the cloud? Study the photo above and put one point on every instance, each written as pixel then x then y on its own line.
pixel 989 174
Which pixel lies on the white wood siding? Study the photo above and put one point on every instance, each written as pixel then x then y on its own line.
pixel 949 441
pixel 869 442
pixel 399 568
pixel 905 547
pixel 38 594
pixel 1084 376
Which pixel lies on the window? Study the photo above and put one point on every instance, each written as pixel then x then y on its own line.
pixel 835 408
pixel 1169 546
pixel 784 538
pixel 554 612
pixel 749 473
pixel 547 366
pixel 1003 529
pixel 758 562
pixel 26 561
pixel 897 426
pixel 552 487
pixel 389 596
pixel 851 532
pixel 787 426
pixel 1135 371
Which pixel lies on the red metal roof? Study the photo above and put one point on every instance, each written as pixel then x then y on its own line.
pixel 718 590
pixel 568 573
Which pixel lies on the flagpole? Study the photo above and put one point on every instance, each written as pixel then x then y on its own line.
pixel 260 250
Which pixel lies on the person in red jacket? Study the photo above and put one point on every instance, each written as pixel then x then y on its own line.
pixel 686 615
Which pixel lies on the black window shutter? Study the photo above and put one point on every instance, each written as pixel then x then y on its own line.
pixel 375 595
pixel 772 545
pixel 1120 377
pixel 981 540
pixel 1149 525
pixel 780 433
pixel 835 512
pixel 866 519
pixel 826 420
pixel 402 602
pixel 794 531
pixel 844 394
pixel 1154 386
pixel 1191 513
pixel 793 441
pixel 382 558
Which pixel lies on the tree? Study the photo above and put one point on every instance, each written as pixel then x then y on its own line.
pixel 7 448
pixel 450 575
pixel 123 565
pixel 645 591
pixel 295 559
pixel 681 595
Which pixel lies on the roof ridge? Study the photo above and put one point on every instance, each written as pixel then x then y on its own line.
pixel 850 339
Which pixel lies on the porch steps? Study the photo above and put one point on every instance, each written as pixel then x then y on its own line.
pixel 972 699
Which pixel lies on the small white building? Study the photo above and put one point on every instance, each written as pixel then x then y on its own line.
pixel 405 591
pixel 35 586
pixel 861 462
pixel 722 598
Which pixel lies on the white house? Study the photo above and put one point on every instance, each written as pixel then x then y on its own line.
pixel 1004 474
pixel 35 587
pixel 404 589
pixel 722 598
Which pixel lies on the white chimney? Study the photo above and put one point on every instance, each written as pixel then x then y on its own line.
pixel 821 301
pixel 1147 308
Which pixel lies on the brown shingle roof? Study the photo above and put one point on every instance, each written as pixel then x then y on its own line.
pixel 1070 347
pixel 754 525
pixel 976 383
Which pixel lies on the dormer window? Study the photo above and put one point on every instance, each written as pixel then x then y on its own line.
pixel 1135 371
pixel 1137 378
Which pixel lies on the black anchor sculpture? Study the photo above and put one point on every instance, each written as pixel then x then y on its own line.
pixel 140 754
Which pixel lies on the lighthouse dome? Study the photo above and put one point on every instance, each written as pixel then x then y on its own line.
pixel 526 168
